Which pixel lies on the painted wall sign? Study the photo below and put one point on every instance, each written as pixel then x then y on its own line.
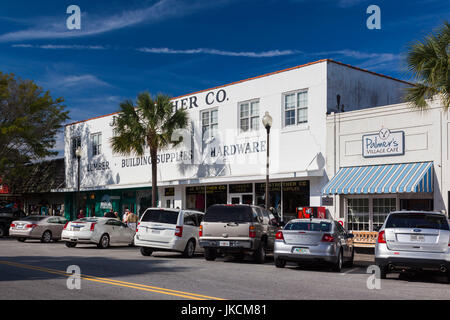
pixel 385 143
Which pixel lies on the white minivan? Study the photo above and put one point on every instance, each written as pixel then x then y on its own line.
pixel 169 230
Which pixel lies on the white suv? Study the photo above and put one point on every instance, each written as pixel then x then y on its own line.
pixel 169 230
pixel 413 240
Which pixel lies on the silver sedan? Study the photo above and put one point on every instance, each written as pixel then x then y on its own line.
pixel 101 231
pixel 45 228
pixel 314 241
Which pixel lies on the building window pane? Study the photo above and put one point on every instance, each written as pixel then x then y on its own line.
pixel 358 214
pixel 381 208
pixel 96 143
pixel 249 116
pixel 296 108
pixel 76 142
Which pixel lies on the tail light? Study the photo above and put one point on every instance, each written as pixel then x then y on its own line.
pixel 12 225
pixel 200 231
pixel 178 231
pixel 279 236
pixel 30 226
pixel 327 238
pixel 252 232
pixel 65 226
pixel 381 237
pixel 137 227
pixel 93 226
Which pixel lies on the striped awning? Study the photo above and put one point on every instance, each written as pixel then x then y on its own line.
pixel 389 178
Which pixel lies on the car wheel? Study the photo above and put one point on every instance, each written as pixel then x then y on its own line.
pixel 21 239
pixel 259 256
pixel 146 251
pixel 352 258
pixel 280 263
pixel 339 263
pixel 46 237
pixel 383 271
pixel 71 244
pixel 210 254
pixel 104 242
pixel 189 251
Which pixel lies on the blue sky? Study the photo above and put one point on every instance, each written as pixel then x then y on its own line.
pixel 181 46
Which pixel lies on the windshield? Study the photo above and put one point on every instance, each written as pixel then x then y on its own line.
pixel 160 216
pixel 417 220
pixel 220 213
pixel 34 218
pixel 309 226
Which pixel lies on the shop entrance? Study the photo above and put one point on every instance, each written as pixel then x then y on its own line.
pixel 241 198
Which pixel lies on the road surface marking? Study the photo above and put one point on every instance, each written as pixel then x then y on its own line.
pixel 132 285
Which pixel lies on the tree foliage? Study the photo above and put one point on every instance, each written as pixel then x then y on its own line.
pixel 428 61
pixel 29 121
pixel 148 124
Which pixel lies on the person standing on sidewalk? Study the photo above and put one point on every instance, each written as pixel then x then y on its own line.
pixel 132 219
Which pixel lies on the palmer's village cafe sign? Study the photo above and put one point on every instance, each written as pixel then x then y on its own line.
pixel 385 143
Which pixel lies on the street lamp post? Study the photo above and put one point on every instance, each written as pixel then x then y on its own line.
pixel 78 153
pixel 267 122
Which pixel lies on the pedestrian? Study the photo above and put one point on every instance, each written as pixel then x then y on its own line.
pixel 124 217
pixel 81 214
pixel 131 220
pixel 110 214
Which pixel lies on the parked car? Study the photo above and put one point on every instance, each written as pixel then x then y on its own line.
pixel 45 228
pixel 413 240
pixel 101 231
pixel 8 215
pixel 314 241
pixel 238 230
pixel 169 230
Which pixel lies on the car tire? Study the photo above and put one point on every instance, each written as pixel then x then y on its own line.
pixel 21 239
pixel 259 256
pixel 280 263
pixel 104 242
pixel 46 237
pixel 352 258
pixel 146 251
pixel 210 254
pixel 339 263
pixel 383 271
pixel 189 251
pixel 71 244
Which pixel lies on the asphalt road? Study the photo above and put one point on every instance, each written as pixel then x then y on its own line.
pixel 33 270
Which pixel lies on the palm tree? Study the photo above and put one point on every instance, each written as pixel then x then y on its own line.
pixel 428 61
pixel 148 124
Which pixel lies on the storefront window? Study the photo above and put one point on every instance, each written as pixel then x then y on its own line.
pixel 274 195
pixel 216 195
pixel 381 208
pixel 358 214
pixel 195 198
pixel 295 195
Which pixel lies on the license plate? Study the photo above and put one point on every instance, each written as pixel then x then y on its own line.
pixel 156 231
pixel 301 250
pixel 20 226
pixel 224 243
pixel 416 237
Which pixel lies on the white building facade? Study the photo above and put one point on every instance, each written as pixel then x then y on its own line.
pixel 224 155
pixel 387 158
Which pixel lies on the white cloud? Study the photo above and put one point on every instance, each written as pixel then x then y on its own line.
pixel 59 47
pixel 249 54
pixel 55 28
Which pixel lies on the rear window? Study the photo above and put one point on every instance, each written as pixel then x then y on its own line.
pixel 34 218
pixel 229 214
pixel 160 216
pixel 83 220
pixel 417 220
pixel 309 226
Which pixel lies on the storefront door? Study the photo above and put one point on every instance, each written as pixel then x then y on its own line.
pixel 241 198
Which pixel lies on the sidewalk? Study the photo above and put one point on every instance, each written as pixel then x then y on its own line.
pixel 364 257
